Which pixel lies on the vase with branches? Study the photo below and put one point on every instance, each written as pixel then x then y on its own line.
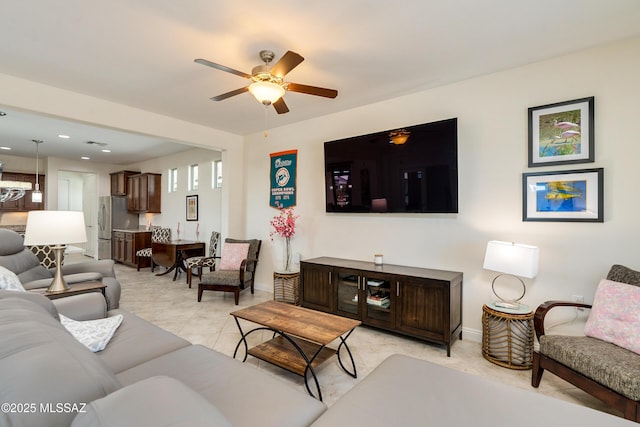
pixel 284 225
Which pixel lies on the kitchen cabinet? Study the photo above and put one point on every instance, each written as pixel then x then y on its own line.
pixel 144 193
pixel 119 182
pixel 126 243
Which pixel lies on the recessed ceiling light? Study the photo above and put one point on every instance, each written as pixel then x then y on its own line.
pixel 106 151
pixel 85 158
pixel 5 148
pixel 64 136
pixel 2 113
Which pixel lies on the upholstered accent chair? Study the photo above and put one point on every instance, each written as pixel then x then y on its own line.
pixel 158 234
pixel 203 261
pixel 234 279
pixel 605 370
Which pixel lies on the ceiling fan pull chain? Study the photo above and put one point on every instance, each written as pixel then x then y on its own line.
pixel 266 120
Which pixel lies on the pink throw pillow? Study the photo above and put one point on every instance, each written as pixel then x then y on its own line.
pixel 232 255
pixel 615 315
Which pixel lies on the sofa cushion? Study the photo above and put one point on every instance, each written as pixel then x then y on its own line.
pixel 87 306
pixel 245 395
pixel 156 401
pixel 232 255
pixel 137 341
pixel 93 334
pixel 41 300
pixel 605 363
pixel 622 274
pixel 10 242
pixel 224 277
pixel 405 391
pixel 41 363
pixel 253 249
pixel 614 315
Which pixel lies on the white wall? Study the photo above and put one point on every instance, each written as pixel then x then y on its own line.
pixel 174 204
pixel 492 145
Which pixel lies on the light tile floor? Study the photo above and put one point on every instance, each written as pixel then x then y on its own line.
pixel 173 306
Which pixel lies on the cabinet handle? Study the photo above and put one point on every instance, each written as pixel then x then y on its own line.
pixel 397 289
pixel 330 277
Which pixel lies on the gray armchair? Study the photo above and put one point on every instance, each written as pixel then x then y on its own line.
pixel 232 280
pixel 602 369
pixel 24 263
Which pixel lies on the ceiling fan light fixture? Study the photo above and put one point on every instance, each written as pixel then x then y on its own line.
pixel 266 92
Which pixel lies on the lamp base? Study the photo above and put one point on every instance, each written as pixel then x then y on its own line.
pixel 58 284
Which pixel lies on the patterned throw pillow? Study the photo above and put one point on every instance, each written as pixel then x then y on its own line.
pixel 94 334
pixel 232 255
pixel 9 281
pixel 614 316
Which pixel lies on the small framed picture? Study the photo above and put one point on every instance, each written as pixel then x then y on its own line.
pixel 192 208
pixel 561 133
pixel 574 195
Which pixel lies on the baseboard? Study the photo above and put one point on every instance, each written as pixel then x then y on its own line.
pixel 471 334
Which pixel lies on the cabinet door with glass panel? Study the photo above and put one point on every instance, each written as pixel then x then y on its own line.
pixel 366 296
pixel 348 288
pixel 378 300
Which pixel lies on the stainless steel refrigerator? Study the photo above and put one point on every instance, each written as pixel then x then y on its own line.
pixel 112 213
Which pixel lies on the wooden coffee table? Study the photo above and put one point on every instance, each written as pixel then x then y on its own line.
pixel 300 338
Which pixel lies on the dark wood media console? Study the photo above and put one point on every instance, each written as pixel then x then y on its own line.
pixel 418 302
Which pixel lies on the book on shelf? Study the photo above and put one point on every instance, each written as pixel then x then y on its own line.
pixel 382 301
pixel 374 282
pixel 383 304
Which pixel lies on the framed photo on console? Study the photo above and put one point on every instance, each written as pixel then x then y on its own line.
pixel 574 195
pixel 561 133
pixel 192 208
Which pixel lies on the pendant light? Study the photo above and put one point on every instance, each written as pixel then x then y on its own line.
pixel 36 195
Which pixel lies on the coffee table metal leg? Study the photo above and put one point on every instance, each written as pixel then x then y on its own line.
pixel 243 339
pixel 343 343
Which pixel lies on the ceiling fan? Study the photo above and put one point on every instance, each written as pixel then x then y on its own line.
pixel 267 83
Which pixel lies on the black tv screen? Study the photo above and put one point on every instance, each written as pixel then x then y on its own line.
pixel 372 173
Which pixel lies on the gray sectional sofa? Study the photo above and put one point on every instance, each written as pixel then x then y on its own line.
pixel 19 259
pixel 149 377
pixel 146 376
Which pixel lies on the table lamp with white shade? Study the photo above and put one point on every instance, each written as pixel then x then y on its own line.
pixel 512 259
pixel 57 229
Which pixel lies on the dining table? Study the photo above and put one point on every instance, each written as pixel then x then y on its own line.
pixel 172 254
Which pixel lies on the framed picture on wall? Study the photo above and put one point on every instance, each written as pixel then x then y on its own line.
pixel 561 133
pixel 192 208
pixel 574 195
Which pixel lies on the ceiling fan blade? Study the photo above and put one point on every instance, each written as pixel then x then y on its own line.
pixel 222 67
pixel 230 94
pixel 312 90
pixel 280 106
pixel 288 62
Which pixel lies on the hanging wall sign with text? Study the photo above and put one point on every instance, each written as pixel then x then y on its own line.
pixel 283 179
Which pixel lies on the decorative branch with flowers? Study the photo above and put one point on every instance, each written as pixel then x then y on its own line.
pixel 284 225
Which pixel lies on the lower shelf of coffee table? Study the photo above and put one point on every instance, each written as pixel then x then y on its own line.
pixel 280 352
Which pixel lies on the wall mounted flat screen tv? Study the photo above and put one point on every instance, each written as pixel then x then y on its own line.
pixel 372 173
